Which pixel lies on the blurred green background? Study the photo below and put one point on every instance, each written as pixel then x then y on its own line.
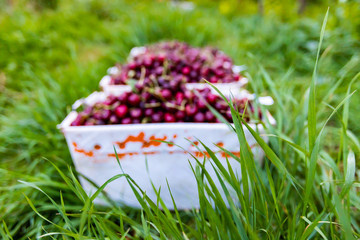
pixel 53 52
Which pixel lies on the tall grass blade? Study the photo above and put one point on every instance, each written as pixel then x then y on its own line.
pixel 312 94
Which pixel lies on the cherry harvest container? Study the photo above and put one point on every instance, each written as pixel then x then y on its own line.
pixel 149 161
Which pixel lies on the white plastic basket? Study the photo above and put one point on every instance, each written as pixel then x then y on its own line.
pixel 149 161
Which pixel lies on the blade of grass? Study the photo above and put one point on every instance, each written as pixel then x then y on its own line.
pixel 4 232
pixel 312 93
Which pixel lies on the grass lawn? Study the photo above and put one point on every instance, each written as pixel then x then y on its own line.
pixel 309 186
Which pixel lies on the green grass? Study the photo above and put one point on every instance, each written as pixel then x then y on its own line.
pixel 308 186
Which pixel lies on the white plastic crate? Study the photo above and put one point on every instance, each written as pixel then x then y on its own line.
pixel 146 160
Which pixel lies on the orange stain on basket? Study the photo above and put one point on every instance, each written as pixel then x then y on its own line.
pixel 122 155
pixel 237 154
pixel 223 154
pixel 89 153
pixel 119 155
pixel 201 154
pixel 153 142
pixel 149 153
pixel 86 153
pixel 220 144
pixel 141 138
pixel 138 138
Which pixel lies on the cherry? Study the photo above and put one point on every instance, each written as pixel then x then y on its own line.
pixel 147 62
pixel 174 85
pixel 79 120
pixel 136 121
pixel 126 120
pixel 201 104
pixel 146 96
pixel 185 70
pixel 166 94
pixel 134 99
pixel 180 115
pixel 139 86
pixel 159 71
pixel 157 117
pixel 179 96
pixel 199 117
pixel 161 58
pixel 105 114
pixel 209 116
pixel 132 65
pixel 123 98
pixel 110 100
pixel 121 111
pixel 213 79
pixel 191 110
pixel 136 113
pixel 168 117
pixel 193 74
pixel 221 105
pixel 149 112
pixel 113 119
pixel 211 98
pixel 189 95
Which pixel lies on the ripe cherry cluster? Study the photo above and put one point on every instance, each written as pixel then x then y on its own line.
pixel 159 105
pixel 177 60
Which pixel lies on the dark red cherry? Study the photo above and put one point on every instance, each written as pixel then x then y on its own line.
pixel 121 111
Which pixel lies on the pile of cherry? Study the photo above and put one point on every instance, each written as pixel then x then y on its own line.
pixel 179 61
pixel 158 78
pixel 162 105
